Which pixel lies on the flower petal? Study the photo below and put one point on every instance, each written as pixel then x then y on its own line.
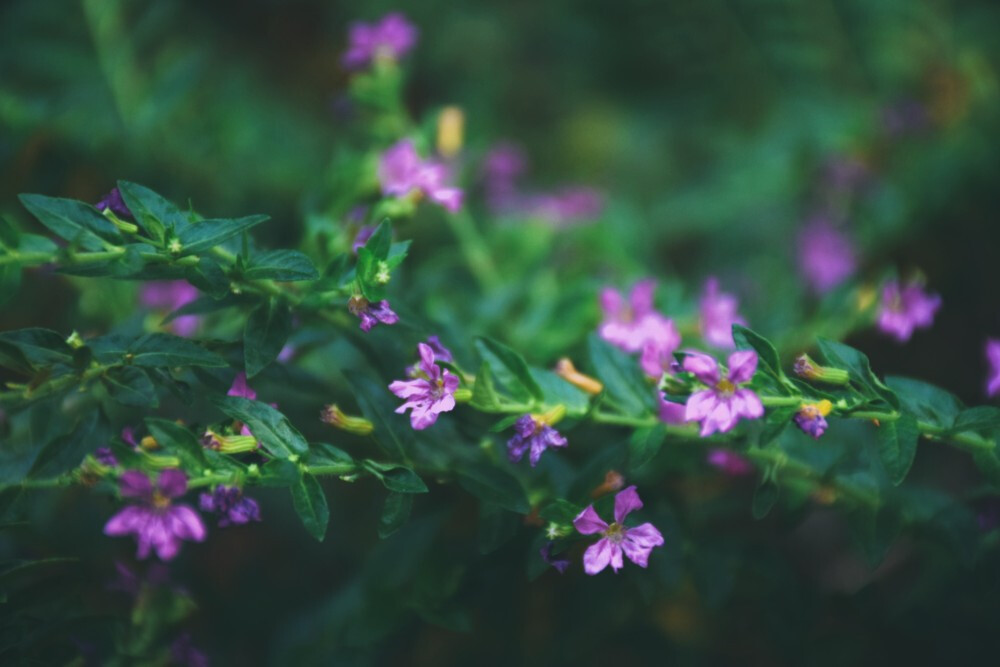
pixel 700 404
pixel 126 521
pixel 704 367
pixel 135 484
pixel 626 501
pixel 172 483
pixel 597 556
pixel 588 522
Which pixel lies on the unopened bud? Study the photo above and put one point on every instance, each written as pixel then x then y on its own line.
pixel 228 444
pixel 149 443
pixel 335 417
pixel 568 372
pixel 75 341
pixel 808 369
pixel 450 131
pixel 613 481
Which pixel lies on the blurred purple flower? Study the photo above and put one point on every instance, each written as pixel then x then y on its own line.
pixel 430 394
pixel 105 457
pixel 670 412
pixel 630 325
pixel 113 200
pixel 169 295
pixel 826 256
pixel 362 237
pixel 718 313
pixel 533 434
pixel 401 172
pixel 993 358
pixel 723 403
pixel 566 206
pixel 230 503
pixel 560 564
pixel 371 314
pixel 811 418
pixel 730 463
pixel 128 435
pixel 392 38
pixel 904 309
pixel 658 353
pixel 240 388
pixel 636 543
pixel 156 524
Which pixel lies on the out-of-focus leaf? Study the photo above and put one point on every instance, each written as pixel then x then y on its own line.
pixel 310 504
pixel 266 332
pixel 160 349
pixel 897 445
pixel 275 433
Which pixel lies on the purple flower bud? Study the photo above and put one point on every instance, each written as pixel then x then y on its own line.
pixel 993 357
pixel 811 418
pixel 730 463
pixel 904 309
pixel 113 200
pixel 560 564
pixel 232 506
pixel 370 314
pixel 105 457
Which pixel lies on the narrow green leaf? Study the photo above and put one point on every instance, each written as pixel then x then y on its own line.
pixel 380 242
pixel 206 234
pixel 160 349
pixel 275 433
pixel 151 211
pixel 40 347
pixel 510 369
pixel 858 367
pixel 73 220
pixel 980 419
pixel 281 265
pixel 395 477
pixel 484 394
pixel 66 452
pixel 280 472
pixel 925 401
pixel 767 355
pixel 266 332
pixel 131 386
pixel 310 504
pixel 897 446
pixel 395 513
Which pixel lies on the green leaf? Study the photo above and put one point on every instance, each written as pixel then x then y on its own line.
pixel 925 401
pixel 281 265
pixel 11 357
pixel 40 347
pixel 366 271
pixel 858 368
pixel 206 234
pixel 209 277
pixel 622 378
pixel 266 332
pixel 131 386
pixel 321 453
pixel 510 369
pixel 764 498
pixel 275 433
pixel 560 392
pixel 75 221
pixel 395 477
pixel 395 512
pixel 496 527
pixel 397 253
pixel 392 432
pixel 310 504
pixel 484 394
pixel 66 452
pixel 645 444
pixel 202 306
pixel 493 485
pixel 767 355
pixel 151 211
pixel 178 440
pixel 380 242
pixel 897 442
pixel 165 350
pixel 280 472
pixel 989 464
pixel 560 511
pixel 983 418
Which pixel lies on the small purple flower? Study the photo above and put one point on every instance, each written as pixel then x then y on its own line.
pixel 636 543
pixel 993 357
pixel 723 403
pixel 362 237
pixel 113 200
pixel 560 564
pixel 670 412
pixel 105 457
pixel 371 314
pixel 904 309
pixel 229 502
pixel 430 394
pixel 441 352
pixel 718 314
pixel 658 353
pixel 169 295
pixel 401 172
pixel 630 325
pixel 502 167
pixel 730 463
pixel 567 206
pixel 157 524
pixel 811 418
pixel 533 434
pixel 826 256
pixel 391 38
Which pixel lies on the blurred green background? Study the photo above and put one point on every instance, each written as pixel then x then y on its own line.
pixel 710 125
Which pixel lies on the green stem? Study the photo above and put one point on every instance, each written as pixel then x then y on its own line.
pixel 781 401
pixel 474 250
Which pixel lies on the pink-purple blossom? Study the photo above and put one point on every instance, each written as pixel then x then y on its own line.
pixel 113 201
pixel 534 435
pixel 231 505
pixel 631 324
pixel 723 403
pixel 401 171
pixel 904 309
pixel 729 463
pixel 391 38
pixel 157 524
pixel 811 418
pixel 826 256
pixel 718 312
pixel 169 295
pixel 106 457
pixel 566 206
pixel 370 313
pixel 658 352
pixel 429 394
pixel 670 412
pixel 993 359
pixel 635 543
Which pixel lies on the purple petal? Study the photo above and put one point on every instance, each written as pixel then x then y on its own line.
pixel 588 522
pixel 700 404
pixel 747 404
pixel 135 484
pixel 704 367
pixel 641 298
pixel 672 413
pixel 597 556
pixel 172 483
pixel 611 303
pixel 626 501
pixel 638 542
pixel 742 366
pixel 127 521
pixel 185 523
pixel 240 387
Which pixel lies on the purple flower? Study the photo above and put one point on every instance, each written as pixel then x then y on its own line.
pixel 534 434
pixel 502 167
pixel 670 412
pixel 560 564
pixel 231 504
pixel 169 295
pixel 730 463
pixel 718 314
pixel 390 38
pixel 128 435
pixel 362 237
pixel 826 256
pixel 105 457
pixel 636 543
pixel 370 314
pixel 633 324
pixel 156 523
pixel 441 352
pixel 723 403
pixel 811 418
pixel 401 172
pixel 993 357
pixel 113 200
pixel 566 206
pixel 430 394
pixel 904 309
pixel 240 387
pixel 658 353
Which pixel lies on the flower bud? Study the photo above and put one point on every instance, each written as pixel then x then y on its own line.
pixel 808 369
pixel 566 370
pixel 450 128
pixel 335 417
pixel 228 444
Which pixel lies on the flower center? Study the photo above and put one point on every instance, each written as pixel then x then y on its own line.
pixel 615 533
pixel 725 387
pixel 160 501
